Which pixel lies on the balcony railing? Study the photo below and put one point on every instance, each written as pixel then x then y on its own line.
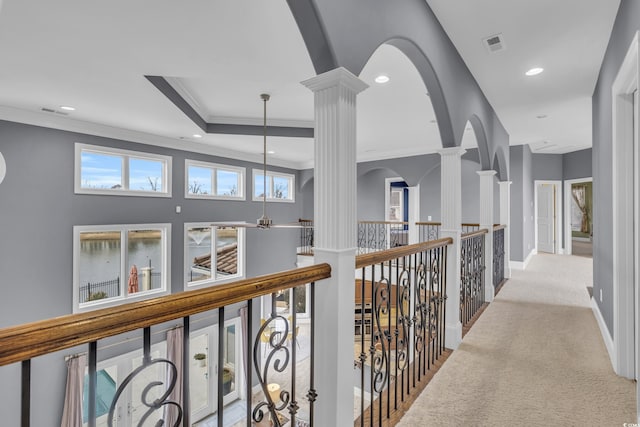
pixel 498 257
pixel 399 325
pixel 428 231
pixel 27 343
pixel 306 237
pixel 472 266
pixel 380 235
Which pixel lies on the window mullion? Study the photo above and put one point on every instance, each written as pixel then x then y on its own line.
pixel 214 253
pixel 124 245
pixel 125 172
pixel 214 181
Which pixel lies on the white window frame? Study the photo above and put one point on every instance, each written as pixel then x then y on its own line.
pixel 165 229
pixel 214 168
pixel 125 155
pixel 270 176
pixel 213 280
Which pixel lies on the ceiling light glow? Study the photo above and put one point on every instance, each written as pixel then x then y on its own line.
pixel 382 79
pixel 196 135
pixel 534 71
pixel 67 108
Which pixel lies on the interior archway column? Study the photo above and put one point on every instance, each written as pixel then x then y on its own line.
pixel 335 241
pixel 486 221
pixel 451 213
pixel 505 219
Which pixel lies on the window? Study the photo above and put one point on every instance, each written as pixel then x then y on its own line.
pixel 213 181
pixel 213 254
pixel 280 186
pixel 105 170
pixel 119 263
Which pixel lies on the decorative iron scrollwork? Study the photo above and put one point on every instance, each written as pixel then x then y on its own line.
pixel 277 348
pixel 380 359
pixel 156 404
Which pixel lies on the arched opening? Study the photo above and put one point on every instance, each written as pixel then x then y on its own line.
pixel 395 118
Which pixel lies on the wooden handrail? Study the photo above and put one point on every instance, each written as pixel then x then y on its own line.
pixel 390 254
pixel 499 227
pixel 428 223
pixel 474 234
pixel 384 222
pixel 18 343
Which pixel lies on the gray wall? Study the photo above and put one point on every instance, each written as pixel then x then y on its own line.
pixel 522 231
pixel 38 209
pixel 547 167
pixel 625 27
pixel 577 164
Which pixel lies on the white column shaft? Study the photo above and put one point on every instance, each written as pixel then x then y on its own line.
pixel 335 240
pixel 486 221
pixel 451 213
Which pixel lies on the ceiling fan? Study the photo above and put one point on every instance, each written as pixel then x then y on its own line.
pixel 264 222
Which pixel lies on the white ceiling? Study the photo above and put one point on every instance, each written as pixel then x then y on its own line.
pixel 94 55
pixel 567 38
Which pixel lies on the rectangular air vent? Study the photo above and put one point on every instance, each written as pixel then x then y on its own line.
pixel 494 43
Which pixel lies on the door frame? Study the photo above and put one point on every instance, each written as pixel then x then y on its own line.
pixel 557 249
pixel 567 211
pixel 625 335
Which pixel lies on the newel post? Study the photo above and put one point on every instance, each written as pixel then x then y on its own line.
pixel 451 213
pixel 335 241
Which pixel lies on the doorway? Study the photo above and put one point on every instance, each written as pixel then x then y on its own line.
pixel 626 213
pixel 578 221
pixel 548 214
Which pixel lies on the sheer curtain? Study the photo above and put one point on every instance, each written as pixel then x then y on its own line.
pixel 579 193
pixel 175 339
pixel 72 412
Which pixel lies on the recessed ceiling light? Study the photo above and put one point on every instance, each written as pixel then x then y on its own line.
pixel 197 135
pixel 541 116
pixel 271 152
pixel 382 79
pixel 534 71
pixel 67 108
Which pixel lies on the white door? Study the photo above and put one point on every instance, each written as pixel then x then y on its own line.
pixel 546 218
pixel 203 372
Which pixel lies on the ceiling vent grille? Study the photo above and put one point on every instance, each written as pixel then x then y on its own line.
pixel 494 43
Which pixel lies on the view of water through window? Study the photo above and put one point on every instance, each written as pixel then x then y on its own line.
pixel 100 262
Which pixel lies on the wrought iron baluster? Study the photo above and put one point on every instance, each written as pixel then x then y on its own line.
pixel 293 405
pixel 277 344
pixel 247 365
pixel 312 394
pixel 25 394
pixel 186 330
pixel 220 369
pixel 93 361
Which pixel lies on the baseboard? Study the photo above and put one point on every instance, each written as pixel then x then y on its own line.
pixel 522 265
pixel 604 331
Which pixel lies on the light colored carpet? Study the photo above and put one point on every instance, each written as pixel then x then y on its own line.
pixel 534 358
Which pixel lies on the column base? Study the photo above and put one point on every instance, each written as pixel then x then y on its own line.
pixel 453 336
pixel 489 293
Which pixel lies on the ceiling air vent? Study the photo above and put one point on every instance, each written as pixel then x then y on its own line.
pixel 51 110
pixel 494 43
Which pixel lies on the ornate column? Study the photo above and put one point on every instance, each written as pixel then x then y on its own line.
pixel 505 219
pixel 414 214
pixel 486 221
pixel 451 213
pixel 335 241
